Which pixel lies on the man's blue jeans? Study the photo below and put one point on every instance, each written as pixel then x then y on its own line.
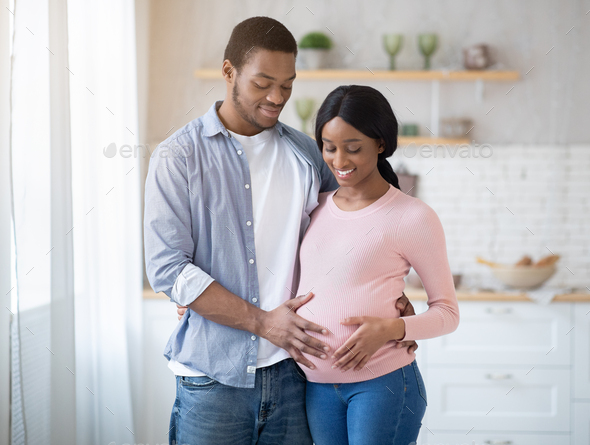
pixel 384 410
pixel 273 412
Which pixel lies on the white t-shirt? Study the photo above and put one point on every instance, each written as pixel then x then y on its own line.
pixel 278 192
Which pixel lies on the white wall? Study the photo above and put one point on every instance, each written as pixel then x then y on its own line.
pixel 540 141
pixel 549 105
pixel 516 199
pixel 540 158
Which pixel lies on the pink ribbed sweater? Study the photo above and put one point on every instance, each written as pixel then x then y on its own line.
pixel 355 263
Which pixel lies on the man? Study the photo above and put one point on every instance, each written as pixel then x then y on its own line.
pixel 228 199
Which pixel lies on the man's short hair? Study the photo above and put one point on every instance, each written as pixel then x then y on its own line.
pixel 258 33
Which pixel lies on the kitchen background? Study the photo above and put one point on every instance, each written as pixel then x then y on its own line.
pixel 528 195
pixel 521 188
pixel 82 333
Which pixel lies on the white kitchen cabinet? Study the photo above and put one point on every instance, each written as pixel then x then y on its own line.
pixel 495 439
pixel 581 359
pixel 512 333
pixel 516 372
pixel 502 398
pixel 581 433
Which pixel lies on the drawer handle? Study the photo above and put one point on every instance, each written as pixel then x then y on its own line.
pixel 501 310
pixel 498 442
pixel 498 376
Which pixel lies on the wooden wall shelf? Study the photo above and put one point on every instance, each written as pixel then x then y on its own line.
pixel 421 140
pixel 471 75
pixel 478 77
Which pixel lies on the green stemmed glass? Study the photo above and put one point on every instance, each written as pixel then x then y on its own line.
pixel 304 108
pixel 392 44
pixel 427 44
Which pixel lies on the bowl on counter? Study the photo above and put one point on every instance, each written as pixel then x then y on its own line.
pixel 523 277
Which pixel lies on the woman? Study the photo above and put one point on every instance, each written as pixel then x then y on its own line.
pixel 362 241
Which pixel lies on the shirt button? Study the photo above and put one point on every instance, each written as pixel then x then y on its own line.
pixel 254 300
pixel 251 261
pixel 248 223
pixel 239 152
pixel 253 337
pixel 247 186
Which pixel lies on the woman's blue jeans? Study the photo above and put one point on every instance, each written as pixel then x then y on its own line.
pixel 384 410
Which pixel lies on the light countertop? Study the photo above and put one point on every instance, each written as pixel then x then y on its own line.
pixel 471 295
pixel 462 295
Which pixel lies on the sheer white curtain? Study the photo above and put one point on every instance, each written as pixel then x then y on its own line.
pixel 77 223
pixel 30 151
pixel 5 224
pixel 107 196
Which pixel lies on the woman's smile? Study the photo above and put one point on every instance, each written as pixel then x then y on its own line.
pixel 345 173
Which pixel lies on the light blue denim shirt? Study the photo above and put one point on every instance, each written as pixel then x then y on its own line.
pixel 197 202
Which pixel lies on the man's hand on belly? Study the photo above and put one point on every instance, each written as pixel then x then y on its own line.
pixel 284 328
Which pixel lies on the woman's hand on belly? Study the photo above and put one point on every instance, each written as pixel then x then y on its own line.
pixel 371 335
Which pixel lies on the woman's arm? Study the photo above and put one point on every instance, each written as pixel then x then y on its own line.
pixel 420 239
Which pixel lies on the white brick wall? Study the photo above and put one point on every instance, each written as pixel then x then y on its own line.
pixel 543 188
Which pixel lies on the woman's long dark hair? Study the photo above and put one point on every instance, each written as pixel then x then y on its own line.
pixel 367 110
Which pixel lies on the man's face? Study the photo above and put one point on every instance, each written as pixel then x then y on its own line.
pixel 263 86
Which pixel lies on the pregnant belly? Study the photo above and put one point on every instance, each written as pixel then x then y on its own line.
pixel 337 335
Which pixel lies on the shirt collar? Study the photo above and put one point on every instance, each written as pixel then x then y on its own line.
pixel 213 125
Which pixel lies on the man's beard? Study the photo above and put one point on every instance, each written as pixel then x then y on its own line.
pixel 242 112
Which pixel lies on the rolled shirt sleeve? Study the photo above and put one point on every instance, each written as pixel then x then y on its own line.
pixel 190 284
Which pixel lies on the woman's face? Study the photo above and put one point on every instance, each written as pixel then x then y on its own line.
pixel 351 155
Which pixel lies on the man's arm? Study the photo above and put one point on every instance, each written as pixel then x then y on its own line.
pixel 169 248
pixel 168 241
pixel 403 304
pixel 281 326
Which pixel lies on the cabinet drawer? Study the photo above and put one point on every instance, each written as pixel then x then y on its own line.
pixel 507 333
pixel 498 398
pixel 493 439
